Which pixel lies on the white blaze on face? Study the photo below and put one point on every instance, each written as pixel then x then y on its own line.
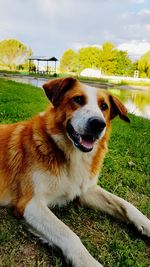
pixel 90 109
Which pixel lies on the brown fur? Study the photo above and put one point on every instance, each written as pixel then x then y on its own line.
pixel 26 145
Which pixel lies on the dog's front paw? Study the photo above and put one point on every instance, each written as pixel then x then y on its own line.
pixel 138 219
pixel 143 225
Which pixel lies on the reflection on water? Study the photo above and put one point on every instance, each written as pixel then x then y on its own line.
pixel 136 101
pixel 31 80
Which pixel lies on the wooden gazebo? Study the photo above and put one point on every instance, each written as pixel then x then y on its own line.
pixel 36 69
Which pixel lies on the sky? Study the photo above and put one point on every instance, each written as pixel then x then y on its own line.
pixel 50 27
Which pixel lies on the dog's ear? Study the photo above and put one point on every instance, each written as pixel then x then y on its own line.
pixel 117 108
pixel 55 89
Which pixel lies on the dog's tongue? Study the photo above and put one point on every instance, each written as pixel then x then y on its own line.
pixel 86 142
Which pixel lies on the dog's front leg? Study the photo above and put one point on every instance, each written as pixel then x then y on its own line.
pixel 98 198
pixel 38 215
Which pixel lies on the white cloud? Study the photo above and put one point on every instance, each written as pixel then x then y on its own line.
pixel 138 30
pixel 147 27
pixel 138 1
pixel 135 47
pixel 51 27
pixel 144 12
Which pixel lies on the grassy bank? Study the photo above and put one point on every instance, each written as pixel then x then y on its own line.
pixel 125 173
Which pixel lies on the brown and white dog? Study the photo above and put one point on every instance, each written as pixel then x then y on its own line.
pixel 55 157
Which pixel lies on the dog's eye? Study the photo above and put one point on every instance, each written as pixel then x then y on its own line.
pixel 104 106
pixel 79 100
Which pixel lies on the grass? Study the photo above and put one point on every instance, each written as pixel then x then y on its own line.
pixel 125 173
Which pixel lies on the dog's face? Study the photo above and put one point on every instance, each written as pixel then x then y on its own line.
pixel 84 112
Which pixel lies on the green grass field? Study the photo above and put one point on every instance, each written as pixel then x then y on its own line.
pixel 125 172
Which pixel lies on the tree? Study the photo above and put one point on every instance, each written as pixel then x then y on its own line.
pixel 124 65
pixel 69 62
pixel 13 53
pixel 144 65
pixel 108 58
pixel 89 57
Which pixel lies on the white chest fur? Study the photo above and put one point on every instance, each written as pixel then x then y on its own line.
pixel 73 180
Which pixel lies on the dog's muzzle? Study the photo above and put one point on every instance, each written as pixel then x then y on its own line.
pixel 92 132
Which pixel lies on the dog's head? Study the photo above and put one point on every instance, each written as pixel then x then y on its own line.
pixel 83 112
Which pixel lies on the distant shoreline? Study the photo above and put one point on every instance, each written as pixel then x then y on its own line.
pixel 99 84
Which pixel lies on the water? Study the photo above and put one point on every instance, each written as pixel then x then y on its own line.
pixel 136 101
pixel 26 79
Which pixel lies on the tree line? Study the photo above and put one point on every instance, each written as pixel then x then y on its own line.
pixel 108 59
pixel 14 54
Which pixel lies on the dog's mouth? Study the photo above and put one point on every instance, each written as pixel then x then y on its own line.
pixel 85 143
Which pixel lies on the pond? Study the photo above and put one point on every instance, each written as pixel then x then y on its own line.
pixel 137 101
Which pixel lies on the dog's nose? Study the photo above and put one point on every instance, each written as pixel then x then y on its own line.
pixel 96 125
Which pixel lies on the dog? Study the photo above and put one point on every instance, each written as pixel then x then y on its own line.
pixel 56 157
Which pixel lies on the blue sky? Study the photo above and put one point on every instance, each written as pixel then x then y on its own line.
pixel 50 27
